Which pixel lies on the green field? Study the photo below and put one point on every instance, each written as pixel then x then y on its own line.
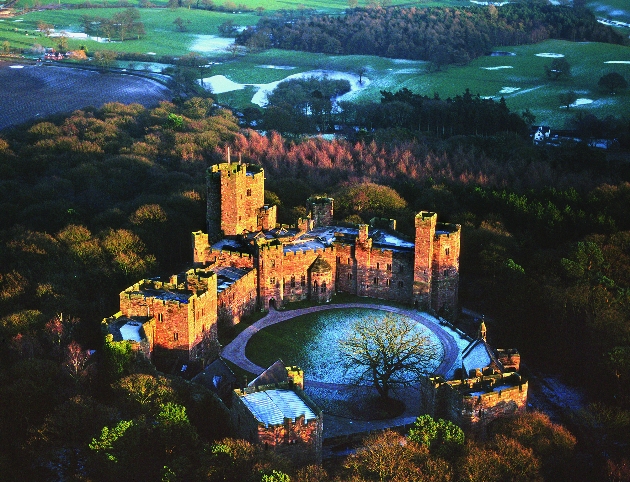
pixel 162 36
pixel 328 6
pixel 520 79
pixel 523 85
pixel 612 9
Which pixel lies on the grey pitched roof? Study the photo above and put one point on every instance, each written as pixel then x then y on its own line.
pixel 276 373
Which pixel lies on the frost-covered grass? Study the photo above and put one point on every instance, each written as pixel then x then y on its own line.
pixel 522 74
pixel 161 36
pixel 530 88
pixel 612 9
pixel 520 78
pixel 311 342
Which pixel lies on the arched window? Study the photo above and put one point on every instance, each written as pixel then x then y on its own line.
pixel 323 289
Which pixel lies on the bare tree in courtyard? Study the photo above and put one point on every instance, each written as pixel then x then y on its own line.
pixel 388 352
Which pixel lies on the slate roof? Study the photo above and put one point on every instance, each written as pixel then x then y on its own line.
pixel 215 376
pixel 478 354
pixel 271 407
pixel 276 373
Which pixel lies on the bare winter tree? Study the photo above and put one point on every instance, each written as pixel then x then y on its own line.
pixel 388 352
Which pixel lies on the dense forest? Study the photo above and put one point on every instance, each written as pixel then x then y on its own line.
pixel 95 200
pixel 440 35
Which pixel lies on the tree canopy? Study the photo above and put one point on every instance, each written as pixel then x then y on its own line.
pixel 388 352
pixel 613 81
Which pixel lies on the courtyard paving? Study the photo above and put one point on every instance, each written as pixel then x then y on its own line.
pixel 335 426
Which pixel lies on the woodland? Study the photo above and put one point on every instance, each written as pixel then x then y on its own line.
pixel 97 199
pixel 440 35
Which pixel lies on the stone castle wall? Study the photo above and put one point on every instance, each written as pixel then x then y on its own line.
pixel 238 300
pixel 179 326
pixel 286 277
pixel 445 279
pixel 479 411
pixel 466 404
pixel 298 440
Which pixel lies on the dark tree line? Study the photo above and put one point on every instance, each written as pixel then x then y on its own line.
pixel 441 35
pixel 464 114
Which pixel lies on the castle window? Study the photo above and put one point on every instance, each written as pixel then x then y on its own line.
pixel 292 281
pixel 315 286
pixel 447 251
pixel 401 284
pixel 303 280
pixel 160 317
pixel 376 281
pixel 273 263
pixel 389 267
pixel 175 336
pixel 388 282
pixel 378 265
pixel 323 289
pixel 249 192
pixel 272 280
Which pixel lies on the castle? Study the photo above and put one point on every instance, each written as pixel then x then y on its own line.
pixel 248 262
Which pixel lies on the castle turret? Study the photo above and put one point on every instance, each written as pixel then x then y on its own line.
pixel 445 281
pixel 423 259
pixel 363 256
pixel 321 210
pixel 482 331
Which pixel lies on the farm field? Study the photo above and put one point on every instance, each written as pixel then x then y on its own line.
pixel 327 6
pixel 518 77
pixel 162 37
pixel 30 91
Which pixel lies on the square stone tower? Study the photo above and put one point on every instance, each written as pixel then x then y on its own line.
pixel 236 200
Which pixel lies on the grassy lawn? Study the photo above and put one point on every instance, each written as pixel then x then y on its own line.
pixel 161 36
pixel 535 90
pixel 283 341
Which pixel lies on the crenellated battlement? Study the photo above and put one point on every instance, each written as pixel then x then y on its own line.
pixel 236 168
pixel 309 252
